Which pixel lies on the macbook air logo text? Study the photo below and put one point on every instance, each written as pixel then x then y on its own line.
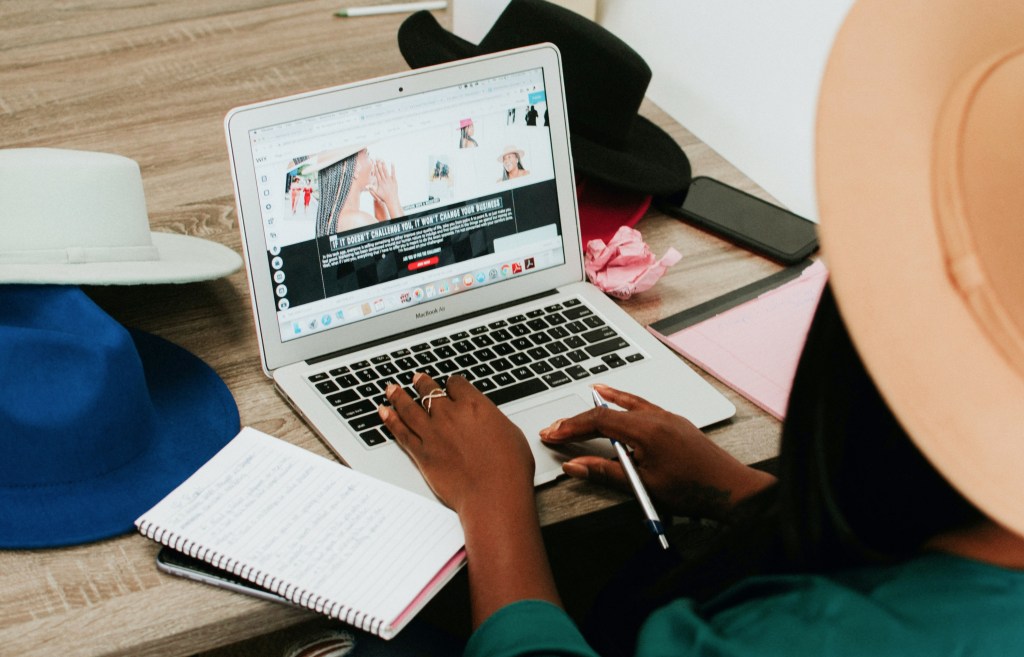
pixel 428 313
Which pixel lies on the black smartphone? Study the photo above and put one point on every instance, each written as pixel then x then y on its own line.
pixel 745 220
pixel 182 565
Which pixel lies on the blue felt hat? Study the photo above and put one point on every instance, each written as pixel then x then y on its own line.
pixel 97 422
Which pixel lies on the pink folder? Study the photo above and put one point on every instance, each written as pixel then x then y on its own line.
pixel 752 347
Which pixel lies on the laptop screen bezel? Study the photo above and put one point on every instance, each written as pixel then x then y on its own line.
pixel 238 123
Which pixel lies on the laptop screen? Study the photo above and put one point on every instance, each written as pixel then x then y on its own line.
pixel 372 209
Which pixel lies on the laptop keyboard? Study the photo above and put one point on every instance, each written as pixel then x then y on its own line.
pixel 506 359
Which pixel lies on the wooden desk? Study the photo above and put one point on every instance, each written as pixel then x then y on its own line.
pixel 153 82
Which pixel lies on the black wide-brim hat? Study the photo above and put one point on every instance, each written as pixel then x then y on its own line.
pixel 605 82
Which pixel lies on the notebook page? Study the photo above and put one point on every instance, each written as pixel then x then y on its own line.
pixel 268 509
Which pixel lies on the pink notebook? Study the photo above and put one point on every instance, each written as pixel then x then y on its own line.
pixel 752 347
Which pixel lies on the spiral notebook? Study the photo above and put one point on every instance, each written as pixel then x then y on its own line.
pixel 313 531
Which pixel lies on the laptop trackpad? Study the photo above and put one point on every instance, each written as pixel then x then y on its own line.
pixel 549 460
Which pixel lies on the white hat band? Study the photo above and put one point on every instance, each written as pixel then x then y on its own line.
pixel 74 255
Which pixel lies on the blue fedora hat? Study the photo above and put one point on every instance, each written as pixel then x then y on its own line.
pixel 97 422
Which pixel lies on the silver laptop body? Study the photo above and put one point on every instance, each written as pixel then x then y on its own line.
pixel 420 222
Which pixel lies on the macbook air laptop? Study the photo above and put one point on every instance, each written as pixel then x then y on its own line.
pixel 427 221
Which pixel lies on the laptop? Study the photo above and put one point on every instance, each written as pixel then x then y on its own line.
pixel 427 221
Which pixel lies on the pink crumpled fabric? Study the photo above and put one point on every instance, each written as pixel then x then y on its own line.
pixel 625 265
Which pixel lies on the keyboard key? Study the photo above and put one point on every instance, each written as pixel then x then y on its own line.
pixel 538 353
pixel 522 373
pixel 553 308
pixel 556 379
pixel 426 357
pixel 557 348
pixel 405 378
pixel 338 371
pixel 416 348
pixel 445 352
pixel 401 353
pixel 560 362
pixel 447 366
pixel 343 397
pixel 518 391
pixel 406 363
pixel 575 342
pixel 556 319
pixel 577 372
pixel 540 338
pixel 503 349
pixel 501 364
pixel 484 354
pixel 541 367
pixel 478 330
pixel 576 327
pixel 558 332
pixel 461 335
pixel 597 369
pixel 485 385
pixel 347 381
pixel 576 312
pixel 361 365
pixel 520 358
pixel 367 375
pixel 537 324
pixel 377 360
pixel 593 321
pixel 613 360
pixel 504 379
pixel 466 360
pixel 321 376
pixel 464 346
pixel 365 422
pixel 571 302
pixel 498 324
pixel 599 334
pixel 483 341
pixel 483 369
pixel 430 371
pixel 535 313
pixel 632 358
pixel 521 344
pixel 437 342
pixel 368 389
pixel 327 387
pixel 577 356
pixel 516 319
pixel 385 382
pixel 361 407
pixel 606 347
pixel 519 330
pixel 372 437
pixel 387 369
pixel 501 335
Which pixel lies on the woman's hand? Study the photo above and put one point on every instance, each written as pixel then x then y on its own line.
pixel 478 463
pixel 385 192
pixel 680 467
pixel 467 449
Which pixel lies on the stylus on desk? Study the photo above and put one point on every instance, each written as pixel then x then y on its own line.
pixel 653 522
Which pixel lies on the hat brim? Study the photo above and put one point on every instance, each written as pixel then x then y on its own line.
pixel 197 416
pixel 890 73
pixel 650 161
pixel 183 259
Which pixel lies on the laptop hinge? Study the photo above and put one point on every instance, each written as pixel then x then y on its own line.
pixel 428 327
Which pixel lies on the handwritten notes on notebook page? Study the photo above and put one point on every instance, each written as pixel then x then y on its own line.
pixel 754 347
pixel 318 533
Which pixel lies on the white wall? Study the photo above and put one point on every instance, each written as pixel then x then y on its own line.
pixel 742 75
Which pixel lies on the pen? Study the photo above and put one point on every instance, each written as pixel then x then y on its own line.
pixel 396 8
pixel 653 522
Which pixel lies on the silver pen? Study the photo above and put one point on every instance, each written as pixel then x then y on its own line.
pixel 653 522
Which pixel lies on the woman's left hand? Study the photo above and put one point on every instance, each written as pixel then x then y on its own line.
pixel 468 450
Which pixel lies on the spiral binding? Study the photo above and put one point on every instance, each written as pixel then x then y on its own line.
pixel 300 597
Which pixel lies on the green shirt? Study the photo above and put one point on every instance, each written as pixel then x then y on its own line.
pixel 935 605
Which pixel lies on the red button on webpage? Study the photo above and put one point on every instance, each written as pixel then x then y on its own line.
pixel 420 264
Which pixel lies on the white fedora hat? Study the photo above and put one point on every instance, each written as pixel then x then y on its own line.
pixel 79 217
pixel 920 176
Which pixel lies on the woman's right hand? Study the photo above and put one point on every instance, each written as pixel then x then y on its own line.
pixel 681 468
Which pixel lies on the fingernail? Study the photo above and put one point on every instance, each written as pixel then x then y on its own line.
pixel 392 387
pixel 384 412
pixel 576 470
pixel 417 376
pixel 554 427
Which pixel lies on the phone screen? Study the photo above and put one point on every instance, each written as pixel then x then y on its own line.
pixel 757 224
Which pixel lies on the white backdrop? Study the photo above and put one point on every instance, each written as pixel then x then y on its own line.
pixel 742 75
